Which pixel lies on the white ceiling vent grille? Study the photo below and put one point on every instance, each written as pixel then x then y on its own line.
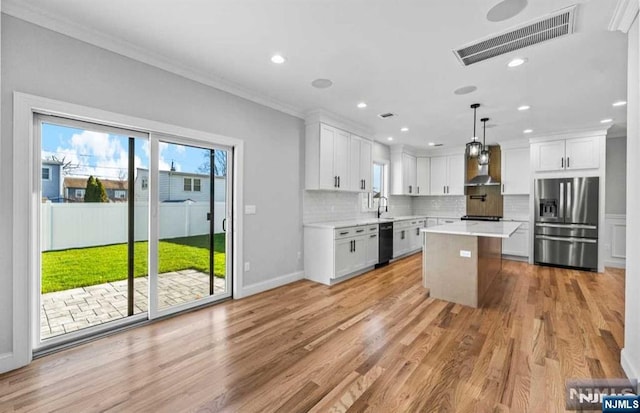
pixel 557 24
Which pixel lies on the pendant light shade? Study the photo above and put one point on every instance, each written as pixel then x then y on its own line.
pixel 474 147
pixel 483 158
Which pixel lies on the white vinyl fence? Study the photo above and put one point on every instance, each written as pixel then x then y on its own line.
pixel 91 224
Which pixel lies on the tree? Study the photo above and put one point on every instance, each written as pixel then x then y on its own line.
pixel 67 166
pixel 219 163
pixel 95 192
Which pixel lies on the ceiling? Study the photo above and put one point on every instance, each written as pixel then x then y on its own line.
pixel 394 55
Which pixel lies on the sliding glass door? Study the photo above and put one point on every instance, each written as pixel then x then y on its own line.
pixel 191 236
pixel 131 227
pixel 93 228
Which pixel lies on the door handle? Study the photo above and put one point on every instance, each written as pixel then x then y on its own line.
pixel 570 239
pixel 224 225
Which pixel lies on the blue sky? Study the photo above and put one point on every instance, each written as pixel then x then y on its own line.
pixel 106 155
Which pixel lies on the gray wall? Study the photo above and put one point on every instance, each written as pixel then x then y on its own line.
pixel 616 200
pixel 41 62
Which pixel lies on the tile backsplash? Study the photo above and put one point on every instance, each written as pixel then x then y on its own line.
pixel 444 206
pixel 319 206
pixel 516 206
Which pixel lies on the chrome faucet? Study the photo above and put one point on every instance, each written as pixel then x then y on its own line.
pixel 386 206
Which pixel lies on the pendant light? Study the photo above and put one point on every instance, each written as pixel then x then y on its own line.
pixel 474 147
pixel 483 158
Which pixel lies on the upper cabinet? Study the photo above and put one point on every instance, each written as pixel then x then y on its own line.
pixel 515 171
pixel 423 172
pixel 566 154
pixel 360 164
pixel 409 174
pixel 336 160
pixel 447 175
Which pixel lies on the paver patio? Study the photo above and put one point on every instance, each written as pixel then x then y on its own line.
pixel 70 310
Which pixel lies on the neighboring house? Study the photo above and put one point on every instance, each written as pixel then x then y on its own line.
pixel 75 188
pixel 180 186
pixel 51 181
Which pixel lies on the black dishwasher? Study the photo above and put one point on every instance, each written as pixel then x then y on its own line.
pixel 385 243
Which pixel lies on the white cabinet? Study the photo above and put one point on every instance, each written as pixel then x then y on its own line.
pixel 515 171
pixel 372 249
pixel 423 166
pixel 403 173
pixel 518 244
pixel 447 175
pixel 566 154
pixel 582 153
pixel 407 237
pixel 330 255
pixel 360 164
pixel 336 160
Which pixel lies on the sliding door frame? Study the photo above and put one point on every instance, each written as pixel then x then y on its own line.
pixel 26 204
pixel 154 224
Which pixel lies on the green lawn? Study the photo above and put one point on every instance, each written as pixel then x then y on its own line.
pixel 81 267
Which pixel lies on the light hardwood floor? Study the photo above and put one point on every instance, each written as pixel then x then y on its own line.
pixel 375 343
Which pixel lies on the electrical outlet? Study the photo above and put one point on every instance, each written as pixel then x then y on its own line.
pixel 465 253
pixel 247 266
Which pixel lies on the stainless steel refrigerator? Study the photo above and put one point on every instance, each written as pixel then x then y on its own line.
pixel 566 228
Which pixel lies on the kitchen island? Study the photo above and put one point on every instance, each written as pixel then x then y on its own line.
pixel 461 260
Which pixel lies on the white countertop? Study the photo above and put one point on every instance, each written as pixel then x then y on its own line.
pixel 356 222
pixel 501 229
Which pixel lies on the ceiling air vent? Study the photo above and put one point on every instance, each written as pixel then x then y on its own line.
pixel 386 115
pixel 549 27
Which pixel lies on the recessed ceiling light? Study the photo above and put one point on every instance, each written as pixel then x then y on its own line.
pixel 390 138
pixel 505 10
pixel 362 105
pixel 321 83
pixel 527 131
pixel 431 144
pixel 278 59
pixel 620 103
pixel 464 90
pixel 524 107
pixel 608 120
pixel 404 129
pixel 517 62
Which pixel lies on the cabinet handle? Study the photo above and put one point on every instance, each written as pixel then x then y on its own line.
pixel 354 245
pixel 338 181
pixel 373 236
pixel 418 189
pixel 364 184
pixel 402 234
pixel 344 233
pixel 409 188
pixel 568 162
pixel 417 231
pixel 444 189
pixel 335 181
pixel 562 163
pixel 502 187
pixel 360 230
pixel 372 229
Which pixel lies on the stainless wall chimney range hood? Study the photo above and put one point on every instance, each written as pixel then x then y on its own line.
pixel 482 178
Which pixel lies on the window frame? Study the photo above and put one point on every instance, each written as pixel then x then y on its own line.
pixel 122 192
pixel 197 188
pixel 81 191
pixel 48 169
pixel 184 184
pixel 144 182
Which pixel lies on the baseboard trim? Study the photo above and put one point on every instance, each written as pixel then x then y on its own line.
pixel 270 284
pixel 7 362
pixel 615 264
pixel 632 372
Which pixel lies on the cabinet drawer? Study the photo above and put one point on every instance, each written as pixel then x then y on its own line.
pixel 372 229
pixel 345 232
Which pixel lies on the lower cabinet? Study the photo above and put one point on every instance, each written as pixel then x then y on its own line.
pixel 407 237
pixel 332 254
pixel 518 244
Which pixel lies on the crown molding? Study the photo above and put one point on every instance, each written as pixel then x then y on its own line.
pixel 624 15
pixel 23 11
